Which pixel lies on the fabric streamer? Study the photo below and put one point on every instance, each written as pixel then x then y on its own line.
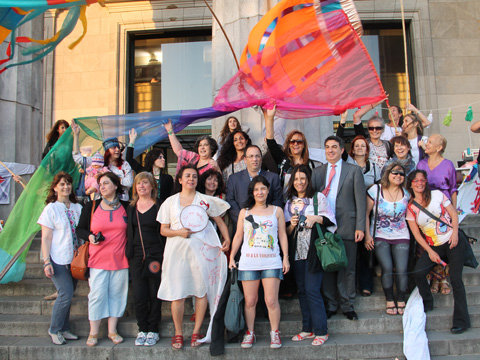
pixel 469 115
pixel 415 341
pixel 336 72
pixel 448 118
pixel 430 117
pixel 15 13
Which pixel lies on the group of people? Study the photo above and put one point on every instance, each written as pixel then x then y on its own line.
pixel 379 198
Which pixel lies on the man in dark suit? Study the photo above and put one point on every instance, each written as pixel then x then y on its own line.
pixel 343 185
pixel 237 185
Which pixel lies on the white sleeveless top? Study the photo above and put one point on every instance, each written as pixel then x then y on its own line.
pixel 260 249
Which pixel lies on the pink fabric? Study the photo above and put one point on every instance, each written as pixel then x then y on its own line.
pixel 307 59
pixel 110 253
pixel 189 157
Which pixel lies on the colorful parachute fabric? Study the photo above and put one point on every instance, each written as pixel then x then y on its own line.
pixel 14 13
pixel 22 224
pixel 307 58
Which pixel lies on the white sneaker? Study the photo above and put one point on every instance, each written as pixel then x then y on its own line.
pixel 57 338
pixel 152 338
pixel 69 336
pixel 141 338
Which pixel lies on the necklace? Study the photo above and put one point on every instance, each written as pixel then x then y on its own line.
pixel 394 198
pixel 115 203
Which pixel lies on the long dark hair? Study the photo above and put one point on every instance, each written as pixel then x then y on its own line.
pixel 250 202
pixel 52 196
pixel 226 130
pixel 53 134
pixel 151 157
pixel 228 153
pixel 291 191
pixel 177 187
pixel 427 193
pixel 203 178
pixel 114 179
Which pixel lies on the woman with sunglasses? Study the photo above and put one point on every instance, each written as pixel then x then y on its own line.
pixel 295 149
pixel 441 175
pixel 388 235
pixel 154 163
pixel 380 150
pixel 440 241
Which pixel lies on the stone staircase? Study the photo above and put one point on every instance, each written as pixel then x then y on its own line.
pixel 25 318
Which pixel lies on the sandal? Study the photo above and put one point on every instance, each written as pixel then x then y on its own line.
pixel 177 342
pixel 366 293
pixel 391 310
pixel 401 308
pixel 303 335
pixel 434 286
pixel 92 340
pixel 319 340
pixel 195 338
pixel 117 339
pixel 445 287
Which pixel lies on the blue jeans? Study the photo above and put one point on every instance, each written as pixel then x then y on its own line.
pixel 314 316
pixel 65 285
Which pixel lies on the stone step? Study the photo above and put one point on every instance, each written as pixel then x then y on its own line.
pixel 339 346
pixel 36 305
pixel 369 323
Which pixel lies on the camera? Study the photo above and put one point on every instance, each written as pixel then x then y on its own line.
pixel 99 237
pixel 302 222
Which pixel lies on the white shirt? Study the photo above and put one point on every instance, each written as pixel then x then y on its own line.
pixel 332 195
pixel 389 132
pixel 414 148
pixel 54 217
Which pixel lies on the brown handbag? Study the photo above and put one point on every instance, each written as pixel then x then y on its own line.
pixel 79 265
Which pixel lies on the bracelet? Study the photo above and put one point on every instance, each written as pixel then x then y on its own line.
pixel 170 132
pixel 47 264
pixel 130 145
pixel 47 259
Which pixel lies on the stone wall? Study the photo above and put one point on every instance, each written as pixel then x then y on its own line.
pixel 21 114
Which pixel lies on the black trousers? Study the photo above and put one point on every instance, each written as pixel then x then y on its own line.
pixel 148 308
pixel 455 258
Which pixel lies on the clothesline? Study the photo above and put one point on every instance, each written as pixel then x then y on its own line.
pixel 447 108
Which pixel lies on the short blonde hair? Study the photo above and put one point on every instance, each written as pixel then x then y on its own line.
pixel 443 142
pixel 142 176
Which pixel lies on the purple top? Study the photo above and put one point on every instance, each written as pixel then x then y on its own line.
pixel 442 178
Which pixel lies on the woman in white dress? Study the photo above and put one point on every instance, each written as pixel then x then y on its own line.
pixel 194 264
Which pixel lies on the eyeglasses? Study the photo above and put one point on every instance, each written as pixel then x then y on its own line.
pixel 419 181
pixel 395 172
pixel 296 141
pixel 254 157
pixel 375 128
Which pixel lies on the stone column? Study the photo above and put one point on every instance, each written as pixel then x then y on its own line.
pixel 21 135
pixel 238 18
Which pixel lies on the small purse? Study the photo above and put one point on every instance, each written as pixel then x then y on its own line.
pixel 234 320
pixel 330 247
pixel 79 264
pixel 152 265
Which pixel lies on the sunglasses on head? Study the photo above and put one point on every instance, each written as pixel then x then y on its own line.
pixel 296 141
pixel 397 172
pixel 375 128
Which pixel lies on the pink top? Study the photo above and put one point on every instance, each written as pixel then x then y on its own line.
pixel 186 157
pixel 110 253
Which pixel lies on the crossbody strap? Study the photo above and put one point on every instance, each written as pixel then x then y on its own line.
pixel 140 231
pixel 315 211
pixel 375 216
pixel 429 213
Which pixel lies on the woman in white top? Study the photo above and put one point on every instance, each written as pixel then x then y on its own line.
pixel 261 229
pixel 59 220
pixel 193 262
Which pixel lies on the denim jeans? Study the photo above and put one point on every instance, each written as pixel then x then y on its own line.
pixel 390 256
pixel 314 316
pixel 65 285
